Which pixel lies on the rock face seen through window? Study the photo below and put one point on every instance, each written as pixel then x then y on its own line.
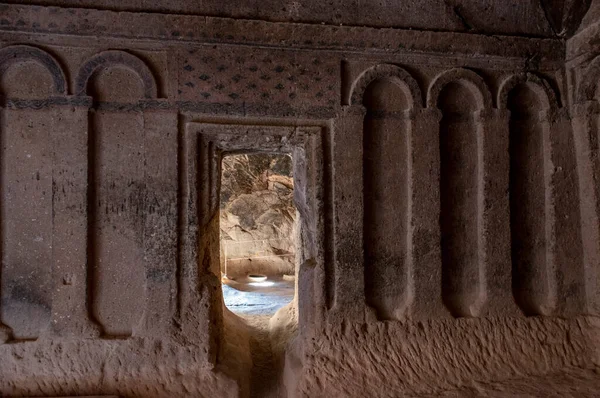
pixel 299 199
pixel 257 229
pixel 257 215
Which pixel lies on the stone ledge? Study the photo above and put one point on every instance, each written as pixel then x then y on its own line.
pixel 198 29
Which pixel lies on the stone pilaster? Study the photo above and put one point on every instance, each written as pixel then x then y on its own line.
pixel 496 214
pixel 349 296
pixel 71 274
pixel 585 133
pixel 425 223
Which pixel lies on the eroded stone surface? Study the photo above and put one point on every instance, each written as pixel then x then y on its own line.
pixel 446 184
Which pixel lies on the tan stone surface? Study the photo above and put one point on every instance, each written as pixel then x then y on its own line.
pixel 446 178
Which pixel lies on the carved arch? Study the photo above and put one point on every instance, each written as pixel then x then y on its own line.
pixel 108 59
pixel 472 80
pixel 12 54
pixel 397 75
pixel 588 88
pixel 538 84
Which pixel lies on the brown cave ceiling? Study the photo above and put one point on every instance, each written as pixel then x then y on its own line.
pixel 538 18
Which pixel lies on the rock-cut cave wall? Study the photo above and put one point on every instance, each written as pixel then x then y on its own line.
pixel 445 182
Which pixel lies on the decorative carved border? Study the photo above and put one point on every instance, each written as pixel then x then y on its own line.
pixel 473 81
pixel 109 59
pixel 395 74
pixel 36 104
pixel 540 85
pixel 203 145
pixel 191 29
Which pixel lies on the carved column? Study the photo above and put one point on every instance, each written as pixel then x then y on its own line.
pixel 5 332
pixel 71 298
pixel 160 219
pixel 199 285
pixel 496 213
pixel 311 248
pixel 585 132
pixel 567 239
pixel 426 250
pixel 349 297
pixel 550 275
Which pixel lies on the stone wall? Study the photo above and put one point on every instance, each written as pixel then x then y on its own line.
pixel 445 184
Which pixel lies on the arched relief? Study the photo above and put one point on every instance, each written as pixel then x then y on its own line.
pixel 471 80
pixel 120 59
pixel 404 80
pixel 27 182
pixel 461 95
pixel 387 202
pixel 21 53
pixel 542 88
pixel 119 191
pixel 27 83
pixel 530 193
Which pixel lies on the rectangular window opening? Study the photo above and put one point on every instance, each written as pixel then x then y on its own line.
pixel 257 232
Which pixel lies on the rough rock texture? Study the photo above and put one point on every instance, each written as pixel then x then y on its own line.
pixel 436 356
pixel 538 18
pixel 257 215
pixel 446 177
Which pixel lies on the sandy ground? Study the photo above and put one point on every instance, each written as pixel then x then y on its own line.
pixel 256 303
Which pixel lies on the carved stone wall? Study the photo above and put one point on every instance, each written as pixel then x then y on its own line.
pixel 448 199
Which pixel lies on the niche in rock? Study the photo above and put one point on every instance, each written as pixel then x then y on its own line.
pixel 386 167
pixel 257 228
pixel 459 167
pixel 528 216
